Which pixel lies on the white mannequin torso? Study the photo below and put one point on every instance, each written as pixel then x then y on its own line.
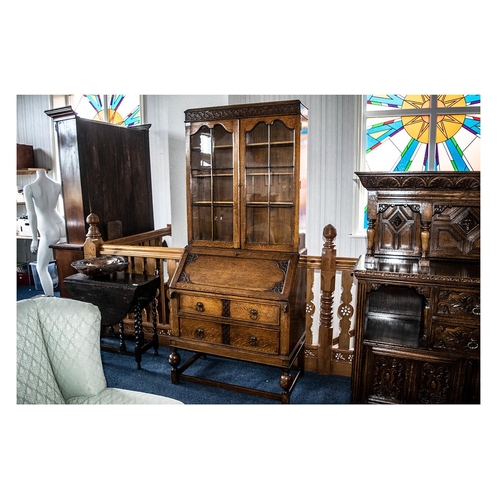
pixel 41 197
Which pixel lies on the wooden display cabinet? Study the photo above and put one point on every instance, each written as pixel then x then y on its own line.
pixel 246 175
pixel 238 291
pixel 418 321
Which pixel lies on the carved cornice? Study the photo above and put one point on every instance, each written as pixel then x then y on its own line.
pixel 246 110
pixel 420 277
pixel 64 113
pixel 420 180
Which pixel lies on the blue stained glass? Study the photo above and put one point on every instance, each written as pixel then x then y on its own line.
pixel 95 101
pixel 116 100
pixel 133 118
pixel 472 99
pixel 472 125
pixel 382 131
pixel 390 100
pixel 457 155
pixel 404 163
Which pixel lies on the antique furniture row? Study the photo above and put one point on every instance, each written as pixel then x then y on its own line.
pixel 418 303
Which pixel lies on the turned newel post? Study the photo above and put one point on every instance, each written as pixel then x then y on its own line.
pixel 93 238
pixel 328 271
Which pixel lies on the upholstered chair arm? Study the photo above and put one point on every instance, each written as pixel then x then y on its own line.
pixel 71 330
pixel 36 383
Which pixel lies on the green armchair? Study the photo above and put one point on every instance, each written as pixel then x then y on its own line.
pixel 59 359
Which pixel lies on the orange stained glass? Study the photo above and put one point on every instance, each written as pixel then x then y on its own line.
pixel 447 125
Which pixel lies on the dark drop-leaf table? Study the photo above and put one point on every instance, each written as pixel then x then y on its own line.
pixel 116 295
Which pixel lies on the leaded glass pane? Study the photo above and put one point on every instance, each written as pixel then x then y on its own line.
pixel 420 132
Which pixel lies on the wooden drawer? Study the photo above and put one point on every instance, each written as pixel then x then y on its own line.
pixel 255 339
pixel 463 304
pixel 252 311
pixel 457 337
pixel 207 331
pixel 201 304
pixel 245 337
pixel 255 311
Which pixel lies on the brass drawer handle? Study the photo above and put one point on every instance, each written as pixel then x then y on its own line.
pixel 199 333
pixel 200 307
pixel 254 314
pixel 252 340
pixel 473 344
pixel 476 311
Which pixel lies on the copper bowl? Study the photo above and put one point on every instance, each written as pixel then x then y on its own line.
pixel 100 266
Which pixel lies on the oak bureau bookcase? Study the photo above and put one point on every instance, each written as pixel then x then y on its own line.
pixel 238 291
pixel 418 320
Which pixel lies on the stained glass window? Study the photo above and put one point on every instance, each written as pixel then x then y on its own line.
pixel 120 109
pixel 423 132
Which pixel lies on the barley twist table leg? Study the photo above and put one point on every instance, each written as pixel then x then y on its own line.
pixel 139 334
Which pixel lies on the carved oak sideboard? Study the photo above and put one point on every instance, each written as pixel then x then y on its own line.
pixel 418 321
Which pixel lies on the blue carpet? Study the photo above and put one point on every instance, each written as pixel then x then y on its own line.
pixel 154 377
pixel 28 292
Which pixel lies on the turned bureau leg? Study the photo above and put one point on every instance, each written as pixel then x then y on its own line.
pixel 174 359
pixel 285 383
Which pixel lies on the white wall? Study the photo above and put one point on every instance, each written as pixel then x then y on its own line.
pixel 34 128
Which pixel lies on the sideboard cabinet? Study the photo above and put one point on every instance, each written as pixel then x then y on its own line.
pixel 418 321
pixel 238 291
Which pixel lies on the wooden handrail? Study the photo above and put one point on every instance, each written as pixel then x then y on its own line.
pixel 141 238
pixel 94 245
pixel 139 251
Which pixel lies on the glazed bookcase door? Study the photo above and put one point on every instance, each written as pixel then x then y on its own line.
pixel 270 164
pixel 212 165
